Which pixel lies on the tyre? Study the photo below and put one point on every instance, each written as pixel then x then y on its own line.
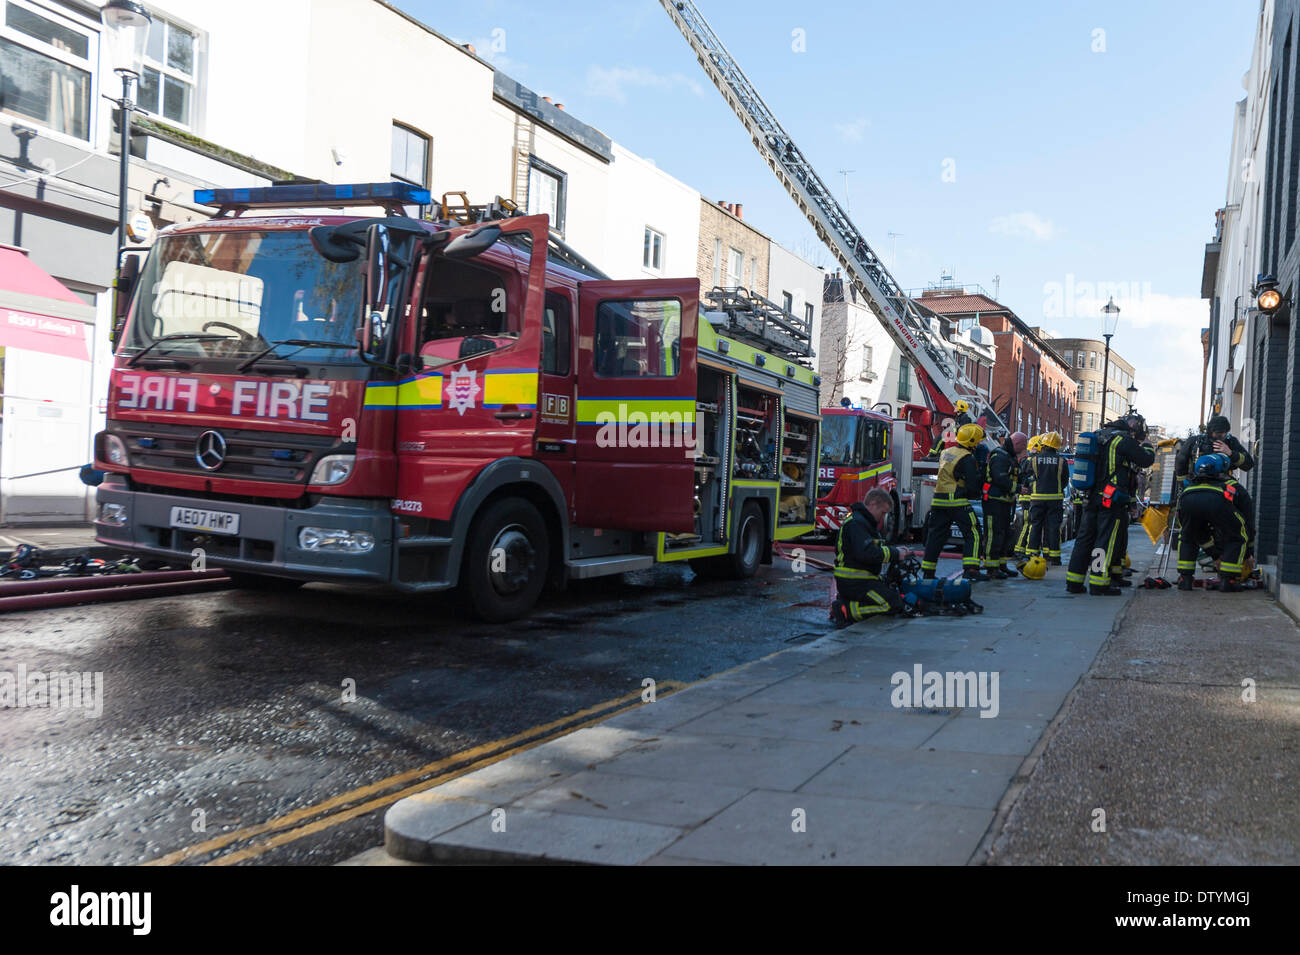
pixel 749 544
pixel 893 529
pixel 506 562
pixel 246 581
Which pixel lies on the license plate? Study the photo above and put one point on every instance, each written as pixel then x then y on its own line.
pixel 200 519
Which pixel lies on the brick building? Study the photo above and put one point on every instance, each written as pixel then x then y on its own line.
pixel 1032 390
pixel 732 252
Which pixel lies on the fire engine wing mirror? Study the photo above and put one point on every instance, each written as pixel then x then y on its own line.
pixel 471 244
pixel 128 275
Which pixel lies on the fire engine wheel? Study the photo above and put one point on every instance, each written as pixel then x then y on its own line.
pixel 749 550
pixel 507 561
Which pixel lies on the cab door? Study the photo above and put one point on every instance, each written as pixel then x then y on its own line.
pixel 472 395
pixel 635 396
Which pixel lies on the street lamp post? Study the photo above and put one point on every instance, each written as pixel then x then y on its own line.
pixel 128 33
pixel 1109 321
pixel 1132 390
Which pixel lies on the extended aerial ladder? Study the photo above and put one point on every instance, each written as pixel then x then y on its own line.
pixel 934 358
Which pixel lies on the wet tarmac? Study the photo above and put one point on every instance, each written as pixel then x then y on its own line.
pixel 223 712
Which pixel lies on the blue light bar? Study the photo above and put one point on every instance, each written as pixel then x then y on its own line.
pixel 317 194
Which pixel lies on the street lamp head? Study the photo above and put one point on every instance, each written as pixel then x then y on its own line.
pixel 1110 317
pixel 1267 298
pixel 128 31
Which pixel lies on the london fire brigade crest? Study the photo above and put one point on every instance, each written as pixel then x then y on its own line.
pixel 462 389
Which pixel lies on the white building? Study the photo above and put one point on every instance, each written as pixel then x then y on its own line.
pixel 796 285
pixel 1233 259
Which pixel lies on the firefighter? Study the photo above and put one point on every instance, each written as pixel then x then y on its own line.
pixel 961 414
pixel 1001 482
pixel 1215 439
pixel 957 487
pixel 1051 476
pixel 1102 540
pixel 861 560
pixel 1207 509
pixel 1027 471
pixel 1236 492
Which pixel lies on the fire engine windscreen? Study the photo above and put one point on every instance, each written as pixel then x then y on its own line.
pixel 249 288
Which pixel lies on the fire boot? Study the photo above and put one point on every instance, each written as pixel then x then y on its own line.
pixel 840 614
pixel 1121 582
pixel 974 574
pixel 1185 582
pixel 1227 585
pixel 1074 588
pixel 1096 591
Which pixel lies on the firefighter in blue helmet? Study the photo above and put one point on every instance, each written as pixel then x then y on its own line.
pixel 1215 439
pixel 1207 510
pixel 861 559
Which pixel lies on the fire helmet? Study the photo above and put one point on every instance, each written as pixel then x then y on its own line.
pixel 1035 444
pixel 961 407
pixel 1052 440
pixel 1212 465
pixel 969 435
pixel 1035 568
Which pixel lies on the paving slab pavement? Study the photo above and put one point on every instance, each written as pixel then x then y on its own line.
pixel 1164 738
pixel 800 758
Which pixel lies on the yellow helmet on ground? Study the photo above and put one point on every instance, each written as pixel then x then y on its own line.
pixel 969 435
pixel 1035 444
pixel 961 407
pixel 1052 440
pixel 1035 568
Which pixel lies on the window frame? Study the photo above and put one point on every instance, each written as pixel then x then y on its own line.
pixel 89 65
pixel 194 80
pixel 651 231
pixel 600 306
pixel 904 380
pixel 562 193
pixel 559 303
pixel 428 153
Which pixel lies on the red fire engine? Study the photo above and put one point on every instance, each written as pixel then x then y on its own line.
pixel 433 404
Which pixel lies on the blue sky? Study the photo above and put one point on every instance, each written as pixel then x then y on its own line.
pixel 1078 157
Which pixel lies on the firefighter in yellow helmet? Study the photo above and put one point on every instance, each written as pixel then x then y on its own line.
pixel 1027 467
pixel 1001 484
pixel 1051 478
pixel 961 414
pixel 958 485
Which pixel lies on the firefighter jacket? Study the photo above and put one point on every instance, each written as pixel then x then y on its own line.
pixel 861 552
pixel 958 482
pixel 1029 473
pixel 1051 476
pixel 1122 458
pixel 1198 444
pixel 1002 474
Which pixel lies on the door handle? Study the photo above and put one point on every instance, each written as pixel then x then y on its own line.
pixel 513 415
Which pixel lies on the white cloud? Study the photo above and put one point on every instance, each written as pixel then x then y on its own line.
pixel 853 132
pixel 1160 336
pixel 1028 225
pixel 615 82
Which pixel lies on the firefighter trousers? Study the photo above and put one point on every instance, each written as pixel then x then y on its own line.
pixel 941 520
pixel 997 532
pixel 868 598
pixel 1022 542
pixel 1044 522
pixel 1205 516
pixel 1084 540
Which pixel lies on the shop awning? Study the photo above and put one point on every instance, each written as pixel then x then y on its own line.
pixel 38 313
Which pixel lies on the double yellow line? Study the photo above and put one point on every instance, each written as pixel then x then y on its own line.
pixel 339 809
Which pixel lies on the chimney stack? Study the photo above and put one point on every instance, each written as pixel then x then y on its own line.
pixel 559 106
pixel 740 211
pixel 548 99
pixel 470 47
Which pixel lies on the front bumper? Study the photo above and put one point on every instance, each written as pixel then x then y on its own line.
pixel 267 542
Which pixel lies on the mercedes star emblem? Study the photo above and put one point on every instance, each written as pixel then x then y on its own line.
pixel 210 450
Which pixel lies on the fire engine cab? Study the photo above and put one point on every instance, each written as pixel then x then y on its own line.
pixel 459 400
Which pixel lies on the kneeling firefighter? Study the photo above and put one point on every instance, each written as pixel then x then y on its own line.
pixel 861 558
pixel 958 485
pixel 1207 509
